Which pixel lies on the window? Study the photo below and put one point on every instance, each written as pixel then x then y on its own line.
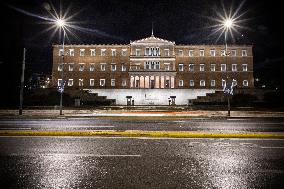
pixel 60 67
pixel 92 67
pixel 158 51
pixel 223 67
pixel 93 52
pixel 180 67
pixel 59 82
pixel 234 52
pixel 81 67
pixel 152 51
pixel 70 82
pixel 123 67
pixel 191 67
pixel 167 52
pixel 102 82
pixel 180 52
pixel 202 67
pixel 71 67
pixel 112 82
pixel 103 67
pixel 180 83
pixel 123 52
pixel 81 82
pixel 223 53
pixel 92 82
pixel 212 67
pixel 212 52
pixel 152 65
pixel 223 82
pixel 157 65
pixel 191 83
pixel 136 67
pixel 245 83
pixel 71 52
pixel 82 52
pixel 167 66
pixel 234 67
pixel 213 83
pixel 244 52
pixel 123 83
pixel 245 67
pixel 202 83
pixel 147 65
pixel 190 53
pixel 147 51
pixel 201 52
pixel 138 52
pixel 61 52
pixel 113 52
pixel 103 52
pixel 113 67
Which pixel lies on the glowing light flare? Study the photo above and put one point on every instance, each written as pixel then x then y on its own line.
pixel 60 22
pixel 228 23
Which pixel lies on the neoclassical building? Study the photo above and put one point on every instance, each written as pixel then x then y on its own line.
pixel 152 71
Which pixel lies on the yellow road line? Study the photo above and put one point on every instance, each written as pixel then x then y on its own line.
pixel 166 134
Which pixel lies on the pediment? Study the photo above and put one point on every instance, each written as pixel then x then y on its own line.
pixel 152 40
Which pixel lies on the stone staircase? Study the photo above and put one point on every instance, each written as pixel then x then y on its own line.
pixel 211 98
pixel 92 99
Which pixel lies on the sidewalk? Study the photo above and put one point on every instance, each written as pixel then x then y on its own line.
pixel 138 113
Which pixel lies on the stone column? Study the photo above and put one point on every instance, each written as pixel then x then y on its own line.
pixel 131 82
pixel 162 82
pixel 157 82
pixel 147 81
pixel 142 82
pixel 172 82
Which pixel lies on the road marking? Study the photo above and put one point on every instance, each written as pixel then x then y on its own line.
pixel 273 147
pixel 88 126
pixel 15 128
pixel 81 154
pixel 179 121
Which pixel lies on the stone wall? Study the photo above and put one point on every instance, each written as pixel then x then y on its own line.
pixel 152 96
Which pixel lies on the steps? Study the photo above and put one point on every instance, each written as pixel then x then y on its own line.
pixel 214 98
pixel 91 99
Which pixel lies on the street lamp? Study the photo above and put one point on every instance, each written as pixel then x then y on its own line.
pixel 228 23
pixel 61 23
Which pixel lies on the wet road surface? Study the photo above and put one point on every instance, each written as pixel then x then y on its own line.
pixel 97 162
pixel 179 124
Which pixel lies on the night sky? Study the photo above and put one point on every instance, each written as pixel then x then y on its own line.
pixel 118 22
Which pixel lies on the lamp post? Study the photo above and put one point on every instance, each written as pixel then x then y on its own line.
pixel 61 23
pixel 22 83
pixel 227 24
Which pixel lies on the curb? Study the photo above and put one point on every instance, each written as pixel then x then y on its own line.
pixel 150 134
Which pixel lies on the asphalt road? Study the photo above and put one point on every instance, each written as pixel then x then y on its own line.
pixel 91 162
pixel 121 124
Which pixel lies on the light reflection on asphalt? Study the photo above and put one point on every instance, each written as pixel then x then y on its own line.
pixel 94 162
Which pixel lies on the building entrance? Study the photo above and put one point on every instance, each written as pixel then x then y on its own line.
pixel 152 84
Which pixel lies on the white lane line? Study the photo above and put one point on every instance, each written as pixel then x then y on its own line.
pixel 272 147
pixel 67 126
pixel 81 154
pixel 237 119
pixel 88 126
pixel 15 128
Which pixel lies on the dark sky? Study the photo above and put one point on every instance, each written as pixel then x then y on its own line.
pixel 182 21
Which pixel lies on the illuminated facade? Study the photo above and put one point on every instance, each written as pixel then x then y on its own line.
pixel 152 68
